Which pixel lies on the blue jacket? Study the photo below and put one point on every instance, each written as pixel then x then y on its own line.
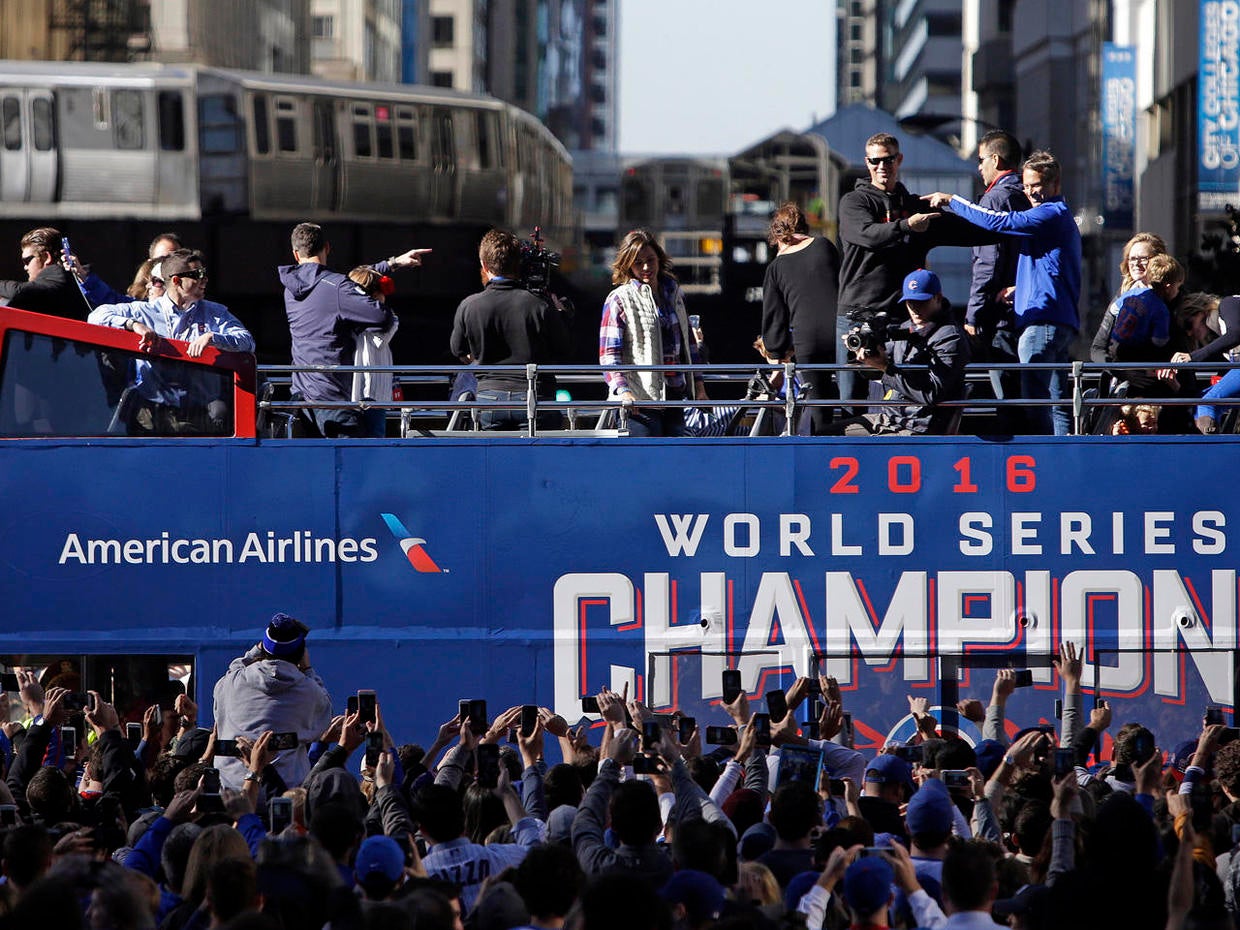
pixel 1048 272
pixel 326 311
pixel 994 266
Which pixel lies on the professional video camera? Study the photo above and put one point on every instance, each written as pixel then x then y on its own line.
pixel 536 264
pixel 872 332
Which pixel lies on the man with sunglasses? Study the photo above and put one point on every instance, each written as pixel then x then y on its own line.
pixel 48 287
pixel 182 313
pixel 885 233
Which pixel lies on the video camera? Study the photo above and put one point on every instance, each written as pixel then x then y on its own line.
pixel 536 264
pixel 872 332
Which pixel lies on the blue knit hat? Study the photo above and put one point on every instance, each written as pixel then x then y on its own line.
pixel 284 636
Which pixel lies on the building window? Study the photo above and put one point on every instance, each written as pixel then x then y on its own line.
pixel 323 27
pixel 854 32
pixel 600 26
pixel 1005 16
pixel 443 29
pixel 441 78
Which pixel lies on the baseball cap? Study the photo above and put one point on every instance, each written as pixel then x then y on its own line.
pixel 888 769
pixel 921 285
pixel 379 855
pixel 930 809
pixel 867 885
pixel 700 893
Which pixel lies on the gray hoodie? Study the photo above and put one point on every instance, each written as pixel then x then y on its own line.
pixel 258 694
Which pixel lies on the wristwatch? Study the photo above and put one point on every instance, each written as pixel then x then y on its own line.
pixel 252 776
pixel 129 324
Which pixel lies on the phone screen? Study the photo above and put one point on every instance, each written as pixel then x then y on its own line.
pixel 529 719
pixel 350 706
pixel 762 728
pixel 652 732
pixel 731 684
pixel 1065 762
pixel 280 814
pixel 721 736
pixel 777 705
pixel 478 716
pixel 687 726
pixel 366 703
pixel 68 741
pixel 211 781
pixel 488 765
pixel 374 746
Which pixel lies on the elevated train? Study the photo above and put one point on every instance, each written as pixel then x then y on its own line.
pixel 113 154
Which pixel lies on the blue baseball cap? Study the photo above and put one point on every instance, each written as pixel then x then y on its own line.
pixel 921 285
pixel 379 855
pixel 888 769
pixel 867 885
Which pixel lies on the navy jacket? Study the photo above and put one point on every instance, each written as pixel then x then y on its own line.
pixel 994 266
pixel 326 311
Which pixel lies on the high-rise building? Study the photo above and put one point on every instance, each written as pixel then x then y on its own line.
pixel 357 40
pixel 860 25
pixel 457 51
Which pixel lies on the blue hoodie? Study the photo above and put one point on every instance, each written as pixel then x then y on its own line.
pixel 326 311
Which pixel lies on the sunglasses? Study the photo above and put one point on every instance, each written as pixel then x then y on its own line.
pixel 157 282
pixel 882 160
pixel 27 259
pixel 196 274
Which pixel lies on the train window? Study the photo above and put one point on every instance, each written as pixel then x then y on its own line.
pixel 99 106
pixel 490 152
pixel 675 200
pixel 286 124
pixel 710 197
pixel 262 129
pixel 363 146
pixel 406 134
pixel 43 124
pixel 383 131
pixel 11 114
pixel 219 128
pixel 636 196
pixel 171 121
pixel 128 131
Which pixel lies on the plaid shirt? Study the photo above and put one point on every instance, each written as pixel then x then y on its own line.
pixel 611 338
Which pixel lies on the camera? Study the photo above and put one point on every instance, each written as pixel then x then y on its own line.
pixel 536 264
pixel 871 332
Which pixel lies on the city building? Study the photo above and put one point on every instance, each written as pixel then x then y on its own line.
pixel 457 52
pixel 357 40
pixel 859 51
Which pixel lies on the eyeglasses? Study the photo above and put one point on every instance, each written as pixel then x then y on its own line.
pixel 196 274
pixel 981 159
pixel 882 160
pixel 1139 259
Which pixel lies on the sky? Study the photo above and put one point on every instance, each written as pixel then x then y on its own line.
pixel 702 77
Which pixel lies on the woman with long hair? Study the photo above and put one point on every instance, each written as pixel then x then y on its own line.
pixel 644 323
pixel 1134 272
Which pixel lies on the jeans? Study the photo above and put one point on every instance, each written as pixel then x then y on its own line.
pixel 512 419
pixel 669 421
pixel 1045 343
pixel 852 385
pixel 1228 386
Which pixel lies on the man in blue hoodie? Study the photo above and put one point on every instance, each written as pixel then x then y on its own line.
pixel 1048 282
pixel 326 311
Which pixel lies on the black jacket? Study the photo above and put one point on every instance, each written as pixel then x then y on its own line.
pixel 54 292
pixel 507 325
pixel 936 357
pixel 994 266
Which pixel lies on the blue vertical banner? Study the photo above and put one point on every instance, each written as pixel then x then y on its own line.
pixel 1218 104
pixel 1119 132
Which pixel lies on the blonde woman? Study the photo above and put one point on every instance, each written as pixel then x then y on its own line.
pixel 1134 272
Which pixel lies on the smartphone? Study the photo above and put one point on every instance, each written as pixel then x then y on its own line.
pixel 652 732
pixel 721 736
pixel 462 710
pixel 1065 762
pixel 529 719
pixel 210 781
pixel 847 736
pixel 1022 678
pixel 687 725
pixel 8 815
pixel 133 733
pixel 762 729
pixel 366 703
pixel 731 684
pixel 68 741
pixel 478 716
pixel 871 851
pixel 589 705
pixel 8 682
pixel 1142 748
pixel 279 814
pixel 350 705
pixel 645 765
pixel 227 749
pixel 776 705
pixel 1213 715
pixel 957 778
pixel 836 787
pixel 799 763
pixel 283 741
pixel 811 730
pixel 65 249
pixel 909 754
pixel 374 746
pixel 813 686
pixel 76 700
pixel 488 765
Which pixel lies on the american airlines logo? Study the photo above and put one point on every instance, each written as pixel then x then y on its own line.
pixel 413 546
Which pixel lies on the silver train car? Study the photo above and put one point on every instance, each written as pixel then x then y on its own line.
pixel 170 143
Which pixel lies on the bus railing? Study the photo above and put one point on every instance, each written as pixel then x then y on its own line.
pixel 458 411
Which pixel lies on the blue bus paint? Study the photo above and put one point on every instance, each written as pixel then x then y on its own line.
pixel 566 564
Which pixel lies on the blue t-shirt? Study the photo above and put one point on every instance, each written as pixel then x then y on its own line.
pixel 1143 320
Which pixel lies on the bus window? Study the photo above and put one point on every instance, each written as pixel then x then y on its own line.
pixel 362 145
pixel 219 128
pixel 262 130
pixel 406 134
pixel 127 130
pixel 11 114
pixel 286 124
pixel 383 131
pixel 171 121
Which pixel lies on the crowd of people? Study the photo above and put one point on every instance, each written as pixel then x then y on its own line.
pixel 273 819
pixel 869 302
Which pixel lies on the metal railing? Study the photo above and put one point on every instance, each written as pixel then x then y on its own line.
pixel 459 414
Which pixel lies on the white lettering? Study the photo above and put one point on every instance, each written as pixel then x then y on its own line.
pixel 685 533
pixel 753 535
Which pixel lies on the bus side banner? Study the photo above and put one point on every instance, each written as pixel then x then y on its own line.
pixel 544 570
